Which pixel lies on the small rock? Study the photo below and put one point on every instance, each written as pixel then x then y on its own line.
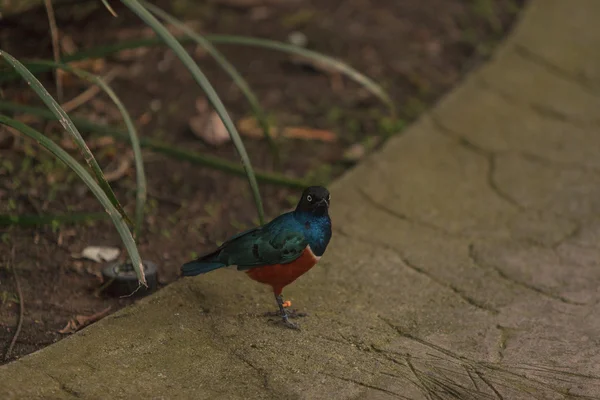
pixel 298 39
pixel 211 129
pixel 100 254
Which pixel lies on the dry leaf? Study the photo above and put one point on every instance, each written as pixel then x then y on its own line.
pixel 201 105
pixel 357 151
pixel 82 321
pixel 121 170
pixel 354 153
pixel 210 129
pixel 250 127
pixel 67 44
pixel 92 65
pixel 100 254
pixel 309 134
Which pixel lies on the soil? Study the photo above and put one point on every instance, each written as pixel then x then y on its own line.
pixel 417 50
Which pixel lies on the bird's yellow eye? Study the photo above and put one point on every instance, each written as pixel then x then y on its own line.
pixel 309 197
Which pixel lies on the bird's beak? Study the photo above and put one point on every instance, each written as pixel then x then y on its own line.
pixel 324 201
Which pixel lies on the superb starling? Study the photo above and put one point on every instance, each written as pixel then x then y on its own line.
pixel 279 252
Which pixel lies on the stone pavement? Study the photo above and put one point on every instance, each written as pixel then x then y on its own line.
pixel 465 262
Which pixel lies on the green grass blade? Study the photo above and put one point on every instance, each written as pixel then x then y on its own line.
pixel 331 62
pixel 317 57
pixel 227 67
pixel 141 186
pixel 160 147
pixel 213 97
pixel 68 125
pixel 109 8
pixel 85 176
pixel 37 220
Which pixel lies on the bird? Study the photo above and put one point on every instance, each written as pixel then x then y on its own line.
pixel 279 252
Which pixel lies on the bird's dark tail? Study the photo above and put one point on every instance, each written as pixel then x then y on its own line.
pixel 208 262
pixel 198 267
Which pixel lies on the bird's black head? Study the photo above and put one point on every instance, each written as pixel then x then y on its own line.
pixel 315 199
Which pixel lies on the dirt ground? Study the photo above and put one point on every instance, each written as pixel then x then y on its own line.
pixel 416 49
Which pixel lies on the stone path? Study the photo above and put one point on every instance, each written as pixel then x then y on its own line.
pixel 465 262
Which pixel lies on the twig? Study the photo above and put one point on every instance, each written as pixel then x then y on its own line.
pixel 132 293
pixel 89 93
pixel 21 307
pixel 55 47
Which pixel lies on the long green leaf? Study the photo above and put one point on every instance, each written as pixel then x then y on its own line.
pixel 330 62
pixel 66 122
pixel 91 183
pixel 160 147
pixel 318 58
pixel 35 220
pixel 213 97
pixel 227 67
pixel 141 186
pixel 109 8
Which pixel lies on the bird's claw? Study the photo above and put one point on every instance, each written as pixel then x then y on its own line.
pixel 296 314
pixel 291 325
pixel 289 313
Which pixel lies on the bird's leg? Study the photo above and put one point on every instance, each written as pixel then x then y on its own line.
pixel 284 314
pixel 292 313
pixel 284 309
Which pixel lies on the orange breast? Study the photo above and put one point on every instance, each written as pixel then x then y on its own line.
pixel 281 275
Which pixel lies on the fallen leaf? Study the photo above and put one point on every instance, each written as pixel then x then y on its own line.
pixel 210 129
pixel 354 153
pixel 92 65
pixel 250 127
pixel 100 254
pixel 121 170
pixel 201 105
pixel 309 134
pixel 82 321
pixel 145 118
pixel 67 44
pixel 357 151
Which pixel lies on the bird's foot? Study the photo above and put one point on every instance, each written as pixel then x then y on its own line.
pixel 289 313
pixel 289 324
pixel 296 314
pixel 286 322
